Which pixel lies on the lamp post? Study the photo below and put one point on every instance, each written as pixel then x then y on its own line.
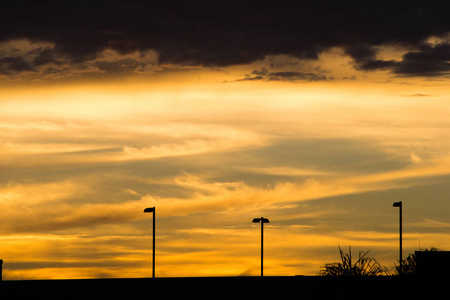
pixel 262 221
pixel 399 205
pixel 152 210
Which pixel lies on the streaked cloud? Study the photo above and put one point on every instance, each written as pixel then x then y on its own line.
pixel 324 167
pixel 315 115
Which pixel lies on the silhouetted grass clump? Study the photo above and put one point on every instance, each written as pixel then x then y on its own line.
pixel 409 264
pixel 363 266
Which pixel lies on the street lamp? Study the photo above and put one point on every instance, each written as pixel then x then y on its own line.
pixel 399 205
pixel 262 221
pixel 152 210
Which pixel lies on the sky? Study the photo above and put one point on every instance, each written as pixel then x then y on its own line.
pixel 317 115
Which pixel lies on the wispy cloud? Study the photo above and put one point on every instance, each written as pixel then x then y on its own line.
pixel 310 160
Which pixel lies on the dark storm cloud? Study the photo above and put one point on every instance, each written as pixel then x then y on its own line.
pixel 428 60
pixel 45 57
pixel 223 33
pixel 13 65
pixel 292 76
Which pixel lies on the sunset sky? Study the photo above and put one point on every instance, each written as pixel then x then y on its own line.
pixel 317 115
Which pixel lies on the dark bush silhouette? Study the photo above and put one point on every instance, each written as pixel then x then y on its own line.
pixel 409 263
pixel 364 266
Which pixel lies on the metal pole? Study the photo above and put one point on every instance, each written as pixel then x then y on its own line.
pixel 401 256
pixel 153 260
pixel 400 206
pixel 261 220
pixel 262 245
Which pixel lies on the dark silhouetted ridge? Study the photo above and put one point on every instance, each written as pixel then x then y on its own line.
pixel 299 287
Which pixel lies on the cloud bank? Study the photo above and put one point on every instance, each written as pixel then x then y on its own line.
pixel 141 34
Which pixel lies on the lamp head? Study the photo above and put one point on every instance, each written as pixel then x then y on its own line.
pixel 149 209
pixel 258 220
pixel 397 204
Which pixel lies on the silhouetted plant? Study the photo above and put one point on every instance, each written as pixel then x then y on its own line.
pixel 409 263
pixel 364 266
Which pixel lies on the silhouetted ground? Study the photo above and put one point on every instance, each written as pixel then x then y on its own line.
pixel 267 288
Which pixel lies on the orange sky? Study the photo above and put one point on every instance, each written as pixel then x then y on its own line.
pixel 320 135
pixel 322 160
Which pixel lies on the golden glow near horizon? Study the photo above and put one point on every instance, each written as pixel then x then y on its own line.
pixel 322 160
